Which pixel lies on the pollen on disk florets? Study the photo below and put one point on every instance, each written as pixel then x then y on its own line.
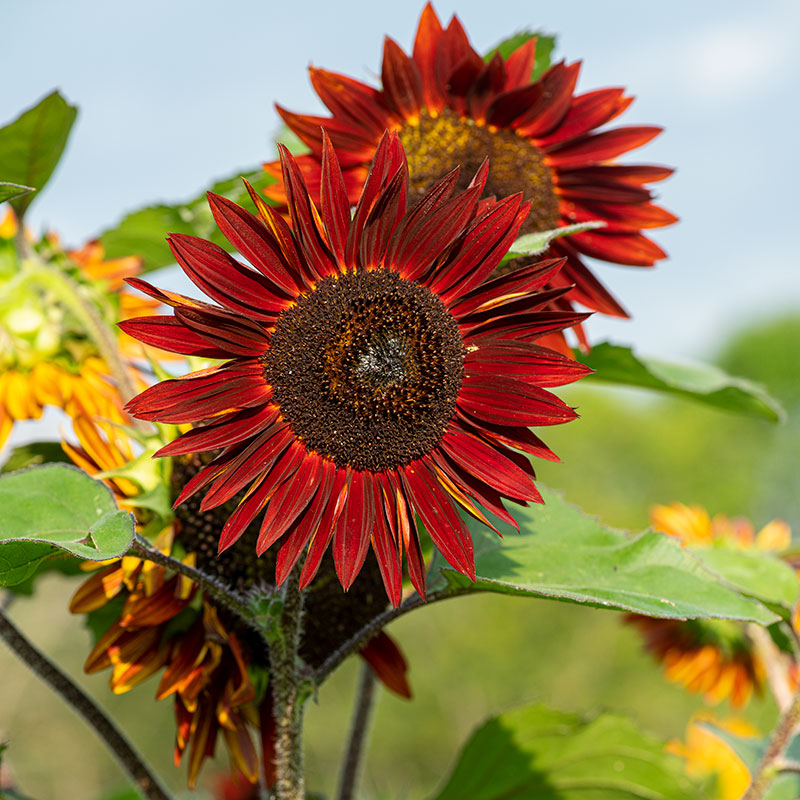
pixel 434 144
pixel 366 369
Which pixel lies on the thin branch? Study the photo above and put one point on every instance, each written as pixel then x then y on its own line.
pixel 145 780
pixel 362 715
pixel 360 638
pixel 771 762
pixel 226 596
pixel 288 701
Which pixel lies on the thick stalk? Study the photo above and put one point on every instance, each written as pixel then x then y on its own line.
pixel 359 727
pixel 288 695
pixel 773 760
pixel 144 779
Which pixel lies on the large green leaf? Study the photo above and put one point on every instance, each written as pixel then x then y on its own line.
pixel 33 454
pixel 8 191
pixel 31 145
pixel 544 49
pixel 537 753
pixel 701 382
pixel 143 233
pixel 57 508
pixel 563 554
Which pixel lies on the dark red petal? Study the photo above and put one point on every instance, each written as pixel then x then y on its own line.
pixel 588 111
pixel 168 334
pixel 289 500
pixel 619 217
pixel 303 529
pixel 621 248
pixel 388 664
pixel 327 525
pixel 384 216
pixel 209 473
pixel 511 402
pixel 636 174
pixel 253 462
pixel 222 432
pixel 353 101
pixel 306 224
pixel 558 83
pixel 462 79
pixel 251 238
pixel 510 308
pixel 385 542
pixel 511 105
pixel 440 518
pixel 475 488
pixel 335 203
pixel 488 464
pixel 519 65
pixel 354 528
pixel 514 436
pixel 416 254
pixel 486 86
pixel 490 236
pixel 599 147
pixel 226 330
pixel 605 192
pixel 167 298
pixel 451 486
pixel 224 279
pixel 453 48
pixel 426 43
pixel 405 531
pixel 528 327
pixel 353 145
pixel 401 81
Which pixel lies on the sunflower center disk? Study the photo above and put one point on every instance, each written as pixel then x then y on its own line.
pixel 366 369
pixel 435 145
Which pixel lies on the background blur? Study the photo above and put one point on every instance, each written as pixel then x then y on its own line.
pixel 174 97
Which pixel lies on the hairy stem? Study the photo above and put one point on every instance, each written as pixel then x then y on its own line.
pixel 359 727
pixel 144 779
pixel 772 761
pixel 288 699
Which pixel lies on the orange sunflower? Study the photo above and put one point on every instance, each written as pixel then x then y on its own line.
pixel 450 107
pixel 46 357
pixel 713 657
pixel 214 667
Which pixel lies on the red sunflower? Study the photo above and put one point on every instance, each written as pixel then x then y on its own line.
pixel 375 370
pixel 449 107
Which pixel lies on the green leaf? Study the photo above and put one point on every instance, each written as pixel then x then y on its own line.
pixel 544 49
pixel 536 753
pixel 31 145
pixel 700 382
pixel 534 244
pixel 56 508
pixel 32 454
pixel 565 555
pixel 143 233
pixel 8 191
pixel 755 573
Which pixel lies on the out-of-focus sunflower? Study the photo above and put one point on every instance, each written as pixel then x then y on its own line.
pixel 713 657
pixel 375 370
pixel 214 667
pixel 46 355
pixel 450 107
pixel 709 756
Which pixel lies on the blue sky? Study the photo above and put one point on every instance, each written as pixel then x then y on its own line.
pixel 174 95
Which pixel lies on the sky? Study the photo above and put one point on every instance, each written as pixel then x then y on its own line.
pixel 175 95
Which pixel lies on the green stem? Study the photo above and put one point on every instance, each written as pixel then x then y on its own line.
pixel 288 699
pixel 145 780
pixel 771 762
pixel 359 727
pixel 68 292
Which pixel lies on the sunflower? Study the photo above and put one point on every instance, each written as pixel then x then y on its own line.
pixel 214 668
pixel 449 107
pixel 713 657
pixel 47 358
pixel 708 755
pixel 375 371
